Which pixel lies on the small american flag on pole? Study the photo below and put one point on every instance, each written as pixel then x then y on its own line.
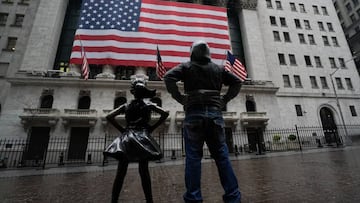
pixel 235 66
pixel 160 69
pixel 85 69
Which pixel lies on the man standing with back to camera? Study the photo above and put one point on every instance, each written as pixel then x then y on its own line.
pixel 204 122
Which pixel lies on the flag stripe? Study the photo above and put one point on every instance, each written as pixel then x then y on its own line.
pixel 100 39
pixel 176 15
pixel 140 51
pixel 173 26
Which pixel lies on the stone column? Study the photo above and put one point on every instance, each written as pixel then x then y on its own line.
pixel 107 73
pixel 252 41
pixel 140 72
pixel 44 36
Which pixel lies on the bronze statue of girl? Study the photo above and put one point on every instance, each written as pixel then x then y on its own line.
pixel 135 144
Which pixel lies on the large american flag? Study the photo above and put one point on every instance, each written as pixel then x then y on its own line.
pixel 127 32
pixel 233 65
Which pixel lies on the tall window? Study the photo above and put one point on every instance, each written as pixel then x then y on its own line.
pixel 307 61
pixel 332 62
pixel 84 102
pixel 342 63
pixel 330 27
pixel 287 37
pixel 298 109
pixel 324 84
pixel 326 41
pixel 302 8
pixel 349 83
pixel 292 6
pixel 278 5
pixel 276 36
pixel 292 59
pixel 268 4
pixel 272 20
pixel 46 101
pixel 321 26
pixel 316 9
pixel 3 18
pixel 281 59
pixel 313 82
pixel 286 79
pixel 318 61
pixel 311 39
pixel 307 24
pixel 302 38
pixel 283 21
pixel 339 83
pixel 297 23
pixel 334 41
pixel 324 10
pixel 19 19
pixel 353 111
pixel 11 44
pixel 297 81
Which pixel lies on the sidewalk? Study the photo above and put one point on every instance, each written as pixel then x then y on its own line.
pixel 5 173
pixel 319 175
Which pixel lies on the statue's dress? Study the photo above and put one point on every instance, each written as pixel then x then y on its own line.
pixel 135 143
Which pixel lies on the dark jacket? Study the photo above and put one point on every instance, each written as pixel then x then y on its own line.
pixel 203 81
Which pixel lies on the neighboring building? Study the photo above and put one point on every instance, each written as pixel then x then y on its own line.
pixel 290 49
pixel 348 12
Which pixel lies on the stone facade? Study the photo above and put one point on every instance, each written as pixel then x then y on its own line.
pixel 274 104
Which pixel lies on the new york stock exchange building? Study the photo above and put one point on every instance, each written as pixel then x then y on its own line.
pixel 302 88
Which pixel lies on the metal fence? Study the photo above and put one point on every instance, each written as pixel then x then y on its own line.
pixel 16 152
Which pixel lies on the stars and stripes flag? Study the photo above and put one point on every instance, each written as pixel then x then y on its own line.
pixel 85 69
pixel 127 32
pixel 160 68
pixel 235 66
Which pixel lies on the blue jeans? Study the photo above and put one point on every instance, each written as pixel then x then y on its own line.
pixel 206 124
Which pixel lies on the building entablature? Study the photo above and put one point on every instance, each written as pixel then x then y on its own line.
pixel 254 119
pixel 39 116
pixel 81 117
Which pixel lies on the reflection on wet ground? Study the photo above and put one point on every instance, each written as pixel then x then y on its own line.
pixel 332 176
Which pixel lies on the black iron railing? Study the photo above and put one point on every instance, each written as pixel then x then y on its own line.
pixel 17 153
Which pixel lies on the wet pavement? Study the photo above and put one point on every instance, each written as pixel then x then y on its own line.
pixel 324 175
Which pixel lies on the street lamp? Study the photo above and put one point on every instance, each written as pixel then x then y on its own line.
pixel 338 103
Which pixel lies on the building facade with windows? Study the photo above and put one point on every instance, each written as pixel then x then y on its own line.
pixel 348 12
pixel 293 51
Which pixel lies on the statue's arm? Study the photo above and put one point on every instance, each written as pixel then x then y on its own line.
pixel 111 117
pixel 163 115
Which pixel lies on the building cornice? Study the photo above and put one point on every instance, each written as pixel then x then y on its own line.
pixel 248 4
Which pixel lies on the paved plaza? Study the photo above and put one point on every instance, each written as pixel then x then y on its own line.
pixel 324 175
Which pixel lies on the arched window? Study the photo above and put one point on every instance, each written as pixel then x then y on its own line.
pixel 119 101
pixel 46 101
pixel 157 101
pixel 84 102
pixel 250 106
